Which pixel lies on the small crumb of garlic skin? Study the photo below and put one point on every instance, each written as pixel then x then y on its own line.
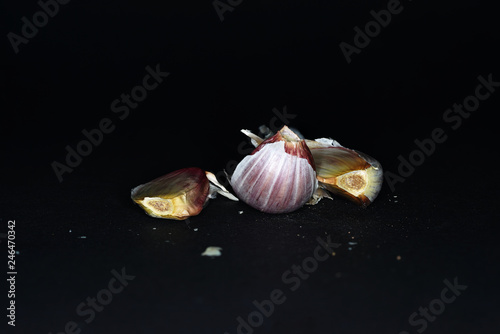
pixel 212 251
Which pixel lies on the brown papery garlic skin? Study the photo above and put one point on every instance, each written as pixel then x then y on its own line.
pixel 278 176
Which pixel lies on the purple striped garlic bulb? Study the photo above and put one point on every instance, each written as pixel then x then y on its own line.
pixel 278 176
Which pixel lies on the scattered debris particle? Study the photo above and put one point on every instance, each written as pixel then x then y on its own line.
pixel 212 251
pixel 240 212
pixel 333 253
pixel 349 248
pixel 70 231
pixel 398 257
pixel 352 243
pixel 154 228
pixel 82 237
pixel 195 229
pixel 17 253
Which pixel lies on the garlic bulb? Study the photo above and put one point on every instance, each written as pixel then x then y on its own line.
pixel 340 170
pixel 278 176
pixel 179 194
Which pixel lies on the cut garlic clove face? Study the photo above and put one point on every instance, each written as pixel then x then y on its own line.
pixel 278 176
pixel 346 172
pixel 177 195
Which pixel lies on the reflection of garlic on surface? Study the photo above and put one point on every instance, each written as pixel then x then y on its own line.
pixel 278 176
pixel 179 194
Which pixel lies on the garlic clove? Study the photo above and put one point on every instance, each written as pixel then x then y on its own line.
pixel 346 172
pixel 278 176
pixel 177 195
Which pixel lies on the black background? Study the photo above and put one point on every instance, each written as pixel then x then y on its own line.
pixel 225 76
